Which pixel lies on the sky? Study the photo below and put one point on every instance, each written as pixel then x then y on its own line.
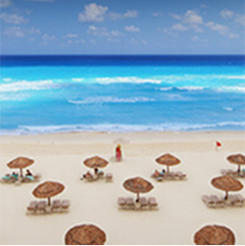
pixel 157 27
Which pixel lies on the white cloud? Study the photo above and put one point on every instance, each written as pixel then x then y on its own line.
pixel 177 17
pixel 132 28
pixel 204 6
pixel 222 30
pixel 115 16
pixel 13 19
pixel 116 33
pixel 93 13
pixel 195 38
pixel 47 37
pixel 226 14
pixel 179 27
pixel 71 35
pixel 103 32
pixel 119 16
pixel 240 19
pixel 95 31
pixel 14 32
pixel 192 18
pixel 19 32
pixel 131 14
pixel 5 3
pixel 33 30
pixel 168 32
pixel 156 14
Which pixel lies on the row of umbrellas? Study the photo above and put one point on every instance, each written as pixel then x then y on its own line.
pixel 93 235
pixel 136 185
pixel 49 189
pixel 98 162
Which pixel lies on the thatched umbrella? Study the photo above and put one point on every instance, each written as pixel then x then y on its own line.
pixel 121 141
pixel 95 162
pixel 168 160
pixel 226 183
pixel 138 185
pixel 85 235
pixel 238 159
pixel 214 235
pixel 48 189
pixel 20 162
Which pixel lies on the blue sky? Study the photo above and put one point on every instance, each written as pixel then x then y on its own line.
pixel 122 26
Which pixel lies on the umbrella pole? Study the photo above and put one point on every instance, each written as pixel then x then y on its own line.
pixel 167 170
pixel 49 201
pixel 138 196
pixel 21 173
pixel 226 195
pixel 239 169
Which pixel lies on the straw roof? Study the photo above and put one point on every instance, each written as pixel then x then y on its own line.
pixel 121 141
pixel 96 162
pixel 168 159
pixel 238 159
pixel 86 235
pixel 20 162
pixel 137 185
pixel 214 235
pixel 48 189
pixel 226 183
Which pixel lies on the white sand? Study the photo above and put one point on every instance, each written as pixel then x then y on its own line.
pixel 181 212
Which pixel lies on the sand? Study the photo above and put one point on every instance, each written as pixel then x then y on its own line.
pixel 181 212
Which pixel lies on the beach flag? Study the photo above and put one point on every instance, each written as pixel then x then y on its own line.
pixel 218 145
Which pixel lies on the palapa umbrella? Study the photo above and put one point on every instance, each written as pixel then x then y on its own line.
pixel 168 160
pixel 214 235
pixel 138 185
pixel 96 162
pixel 121 141
pixel 85 235
pixel 20 162
pixel 227 184
pixel 48 189
pixel 238 159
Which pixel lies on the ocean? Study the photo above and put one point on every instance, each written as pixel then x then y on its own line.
pixel 41 94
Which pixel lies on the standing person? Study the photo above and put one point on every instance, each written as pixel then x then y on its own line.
pixel 118 152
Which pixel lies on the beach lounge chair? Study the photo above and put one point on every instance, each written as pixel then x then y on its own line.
pixel 41 206
pixel 130 202
pixel 121 201
pixel 65 204
pixel 108 177
pixel 208 201
pixel 56 205
pixel 218 202
pixel 37 177
pixel 143 202
pixel 181 175
pixel 32 206
pixel 241 199
pixel 171 175
pixel 236 200
pixel 232 173
pixel 152 202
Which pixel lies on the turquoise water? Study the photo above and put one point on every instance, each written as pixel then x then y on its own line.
pixel 121 93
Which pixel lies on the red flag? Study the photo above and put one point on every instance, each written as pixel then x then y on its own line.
pixel 218 144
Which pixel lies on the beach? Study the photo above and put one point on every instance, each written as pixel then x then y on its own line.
pixel 60 156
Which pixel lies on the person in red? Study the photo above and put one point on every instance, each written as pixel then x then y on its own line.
pixel 118 152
